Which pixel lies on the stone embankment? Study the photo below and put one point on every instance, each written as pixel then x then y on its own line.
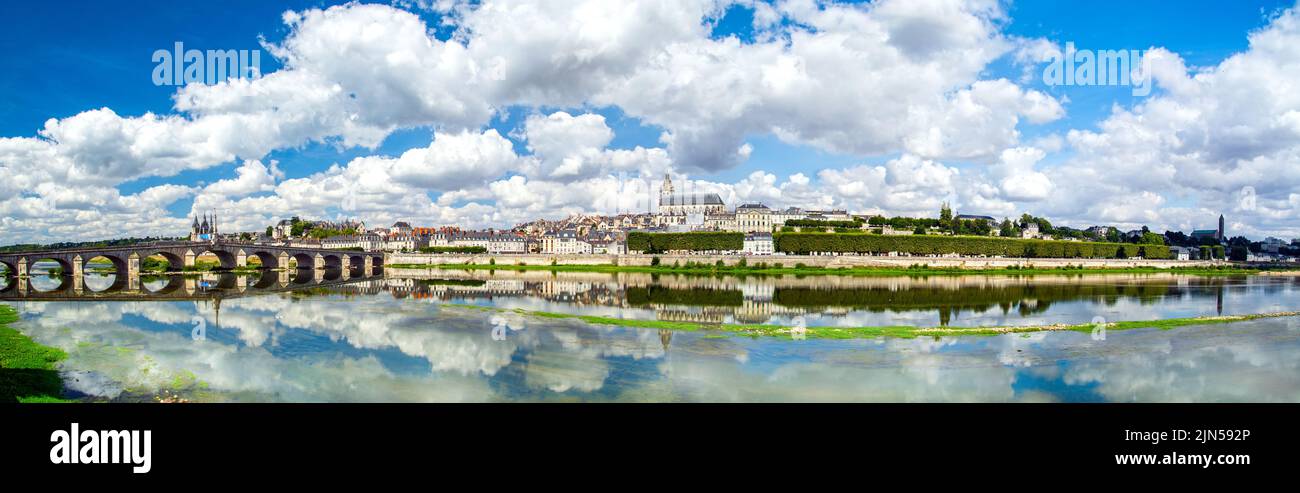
pixel 827 261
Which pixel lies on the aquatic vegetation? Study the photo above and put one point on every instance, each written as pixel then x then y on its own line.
pixel 900 331
pixel 27 369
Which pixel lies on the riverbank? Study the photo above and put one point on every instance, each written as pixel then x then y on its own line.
pixel 897 331
pixel 27 369
pixel 790 261
pixel 778 269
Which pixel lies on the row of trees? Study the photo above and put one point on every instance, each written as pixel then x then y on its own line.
pixel 805 243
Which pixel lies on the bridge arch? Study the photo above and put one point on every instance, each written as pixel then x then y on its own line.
pixel 331 274
pixel 63 263
pixel 119 263
pixel 175 262
pixel 304 261
pixel 303 276
pixel 377 260
pixel 269 260
pixel 356 262
pixel 333 261
pixel 266 279
pixel 225 257
pixel 10 270
pixel 171 285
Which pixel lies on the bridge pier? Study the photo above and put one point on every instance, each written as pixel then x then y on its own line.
pixel 133 266
pixel 78 267
pixel 189 258
pixel 241 258
pixel 320 262
pixel 346 262
pixel 22 268
pixel 283 261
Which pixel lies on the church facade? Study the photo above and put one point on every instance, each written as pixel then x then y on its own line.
pixel 204 231
pixel 682 208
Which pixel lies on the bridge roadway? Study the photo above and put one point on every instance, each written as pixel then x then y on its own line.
pixel 183 253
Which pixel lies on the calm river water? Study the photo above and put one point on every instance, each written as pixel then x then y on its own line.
pixel 406 336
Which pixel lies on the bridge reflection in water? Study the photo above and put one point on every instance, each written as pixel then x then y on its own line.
pixel 61 286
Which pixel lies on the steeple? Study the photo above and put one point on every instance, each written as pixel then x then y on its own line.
pixel 667 188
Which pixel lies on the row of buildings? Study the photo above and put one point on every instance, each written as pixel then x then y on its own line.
pixel 676 212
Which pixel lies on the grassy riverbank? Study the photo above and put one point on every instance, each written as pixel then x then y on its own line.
pixel 901 331
pixel 778 269
pixel 27 372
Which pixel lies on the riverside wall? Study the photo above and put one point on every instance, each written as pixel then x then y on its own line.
pixel 827 261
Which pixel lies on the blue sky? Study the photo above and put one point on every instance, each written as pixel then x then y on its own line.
pixel 65 58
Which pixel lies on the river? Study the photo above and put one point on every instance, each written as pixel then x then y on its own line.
pixel 413 336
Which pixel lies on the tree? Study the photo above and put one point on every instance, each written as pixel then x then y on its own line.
pixel 270 231
pixel 1007 228
pixel 945 213
pixel 1149 238
pixel 1238 253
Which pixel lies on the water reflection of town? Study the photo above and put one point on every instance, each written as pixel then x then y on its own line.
pixel 707 299
pixel 679 298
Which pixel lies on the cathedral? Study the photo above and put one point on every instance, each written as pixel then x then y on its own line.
pixel 204 231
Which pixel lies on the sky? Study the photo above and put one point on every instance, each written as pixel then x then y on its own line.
pixel 492 113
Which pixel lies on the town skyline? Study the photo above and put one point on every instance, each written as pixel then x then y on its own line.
pixel 899 127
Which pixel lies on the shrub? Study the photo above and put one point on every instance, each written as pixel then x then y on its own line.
pixel 654 261
pixel 698 241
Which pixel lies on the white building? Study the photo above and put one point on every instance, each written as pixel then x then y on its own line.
pixel 759 244
pixel 491 242
pixel 1272 245
pixel 564 243
pixel 607 247
pixel 403 244
pixel 753 218
pixel 791 214
pixel 1030 232
pixel 368 242
pixel 507 243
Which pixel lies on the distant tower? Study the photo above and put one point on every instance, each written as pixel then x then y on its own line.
pixel 1220 237
pixel 667 189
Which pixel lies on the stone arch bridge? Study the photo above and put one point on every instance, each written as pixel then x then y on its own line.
pixel 231 255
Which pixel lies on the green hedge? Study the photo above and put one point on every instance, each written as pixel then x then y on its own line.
pixel 804 243
pixel 818 223
pixel 697 242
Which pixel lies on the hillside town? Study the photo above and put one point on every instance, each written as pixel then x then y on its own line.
pixel 677 212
